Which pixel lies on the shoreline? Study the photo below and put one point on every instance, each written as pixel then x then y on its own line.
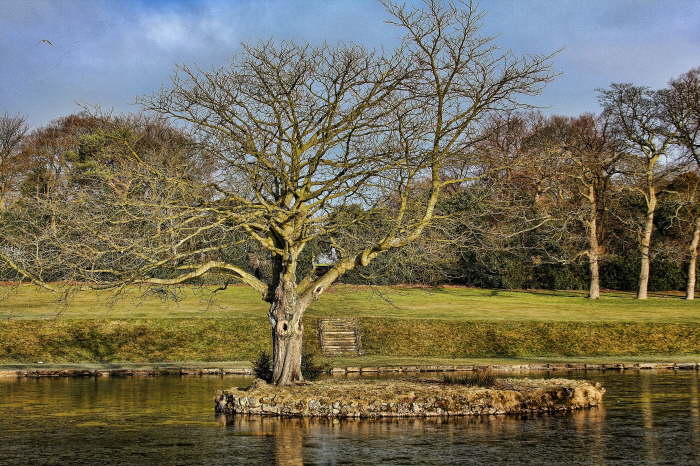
pixel 219 369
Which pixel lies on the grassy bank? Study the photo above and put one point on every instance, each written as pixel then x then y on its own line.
pixel 67 341
pixel 440 338
pixel 411 323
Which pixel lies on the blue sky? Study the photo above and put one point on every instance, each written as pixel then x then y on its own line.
pixel 108 52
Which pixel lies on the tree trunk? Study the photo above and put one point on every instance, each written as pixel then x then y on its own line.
pixel 594 267
pixel 692 266
pixel 594 249
pixel 645 247
pixel 285 315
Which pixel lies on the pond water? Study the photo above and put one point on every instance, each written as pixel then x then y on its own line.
pixel 648 417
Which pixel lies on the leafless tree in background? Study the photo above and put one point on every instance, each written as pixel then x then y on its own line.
pixel 680 104
pixel 681 109
pixel 636 113
pixel 568 164
pixel 683 196
pixel 69 167
pixel 591 152
pixel 12 166
pixel 511 192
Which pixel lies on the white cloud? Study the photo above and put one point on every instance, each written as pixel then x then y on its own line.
pixel 168 31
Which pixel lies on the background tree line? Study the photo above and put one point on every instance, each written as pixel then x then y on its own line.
pixel 556 202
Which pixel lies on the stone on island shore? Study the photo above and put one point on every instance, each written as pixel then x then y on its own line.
pixel 403 398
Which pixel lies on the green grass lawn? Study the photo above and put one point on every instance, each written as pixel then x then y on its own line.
pixel 397 324
pixel 444 303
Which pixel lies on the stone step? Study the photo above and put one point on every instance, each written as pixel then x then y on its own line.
pixel 339 336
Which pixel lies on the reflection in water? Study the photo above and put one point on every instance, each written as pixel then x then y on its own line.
pixel 289 439
pixel 590 422
pixel 287 435
pixel 645 400
pixel 695 416
pixel 647 418
pixel 291 436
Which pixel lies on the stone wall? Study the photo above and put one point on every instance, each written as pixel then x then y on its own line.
pixel 351 370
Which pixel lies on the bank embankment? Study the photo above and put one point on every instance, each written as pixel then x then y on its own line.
pixel 400 398
pixel 241 339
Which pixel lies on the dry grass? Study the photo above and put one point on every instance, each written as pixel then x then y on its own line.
pixel 478 379
pixel 388 398
pixel 401 390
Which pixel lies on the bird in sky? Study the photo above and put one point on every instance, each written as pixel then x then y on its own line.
pixel 46 41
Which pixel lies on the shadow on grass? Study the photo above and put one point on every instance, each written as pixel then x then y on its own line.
pixel 603 293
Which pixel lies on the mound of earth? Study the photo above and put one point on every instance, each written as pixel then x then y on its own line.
pixel 333 398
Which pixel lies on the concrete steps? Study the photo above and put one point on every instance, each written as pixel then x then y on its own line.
pixel 339 337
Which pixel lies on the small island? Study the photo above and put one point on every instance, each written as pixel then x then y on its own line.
pixel 408 398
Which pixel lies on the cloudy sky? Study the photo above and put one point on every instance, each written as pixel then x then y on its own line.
pixel 107 52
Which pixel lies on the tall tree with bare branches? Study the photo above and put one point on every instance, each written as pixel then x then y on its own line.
pixel 299 135
pixel 637 114
pixel 681 109
pixel 588 151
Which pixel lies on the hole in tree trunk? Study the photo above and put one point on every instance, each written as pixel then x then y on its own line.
pixel 284 326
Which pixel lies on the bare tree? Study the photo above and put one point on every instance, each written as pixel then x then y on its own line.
pixel 489 214
pixel 518 189
pixel 637 114
pixel 589 153
pixel 681 109
pixel 69 160
pixel 683 195
pixel 680 104
pixel 300 134
pixel 12 165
